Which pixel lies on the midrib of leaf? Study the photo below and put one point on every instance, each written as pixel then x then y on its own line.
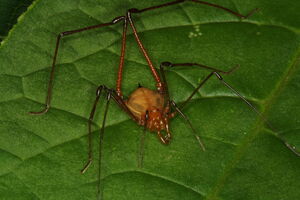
pixel 259 125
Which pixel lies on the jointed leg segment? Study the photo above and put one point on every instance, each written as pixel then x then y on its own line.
pixel 215 72
pixel 90 151
pixel 161 83
pixel 111 94
pixel 126 19
pixel 122 57
pixel 61 35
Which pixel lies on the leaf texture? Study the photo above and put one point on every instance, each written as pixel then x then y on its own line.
pixel 41 156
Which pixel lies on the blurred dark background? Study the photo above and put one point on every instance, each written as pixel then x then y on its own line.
pixel 10 10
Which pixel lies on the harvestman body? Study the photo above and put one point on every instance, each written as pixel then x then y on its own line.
pixel 149 108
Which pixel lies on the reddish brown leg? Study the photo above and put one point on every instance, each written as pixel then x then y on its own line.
pixel 142 48
pixel 159 85
pixel 116 20
pixel 62 34
pixel 121 64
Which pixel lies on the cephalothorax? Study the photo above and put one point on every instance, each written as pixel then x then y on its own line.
pixel 151 109
pixel 148 107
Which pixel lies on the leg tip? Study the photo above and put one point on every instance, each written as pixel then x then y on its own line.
pixel 85 168
pixel 40 112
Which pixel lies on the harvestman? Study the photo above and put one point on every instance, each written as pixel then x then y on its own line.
pixel 148 108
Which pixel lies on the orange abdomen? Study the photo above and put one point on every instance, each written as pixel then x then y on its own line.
pixel 143 99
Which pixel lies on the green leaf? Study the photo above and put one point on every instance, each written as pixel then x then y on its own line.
pixel 41 156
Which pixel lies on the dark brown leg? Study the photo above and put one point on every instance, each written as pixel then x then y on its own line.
pixel 134 10
pixel 172 103
pixel 119 101
pixel 217 72
pixel 114 21
pixel 226 9
pixel 90 151
pixel 141 46
pixel 110 94
pixel 101 146
pixel 178 109
pixel 214 70
pixel 292 148
pixel 62 34
pixel 188 122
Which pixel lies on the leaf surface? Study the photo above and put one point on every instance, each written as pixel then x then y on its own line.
pixel 41 156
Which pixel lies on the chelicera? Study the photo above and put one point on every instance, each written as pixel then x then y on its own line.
pixel 151 109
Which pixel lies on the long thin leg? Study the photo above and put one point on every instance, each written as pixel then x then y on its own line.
pixel 90 148
pixel 114 21
pixel 168 64
pixel 189 123
pixel 178 109
pixel 119 101
pixel 239 95
pixel 141 46
pixel 217 72
pixel 110 94
pixel 292 148
pixel 142 142
pixel 135 10
pixel 173 104
pixel 62 34
pixel 121 64
pixel 226 9
pixel 101 145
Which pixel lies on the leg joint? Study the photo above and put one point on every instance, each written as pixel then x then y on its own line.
pixel 133 10
pixel 60 35
pixel 218 75
pixel 117 19
pixel 100 88
pixel 166 64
